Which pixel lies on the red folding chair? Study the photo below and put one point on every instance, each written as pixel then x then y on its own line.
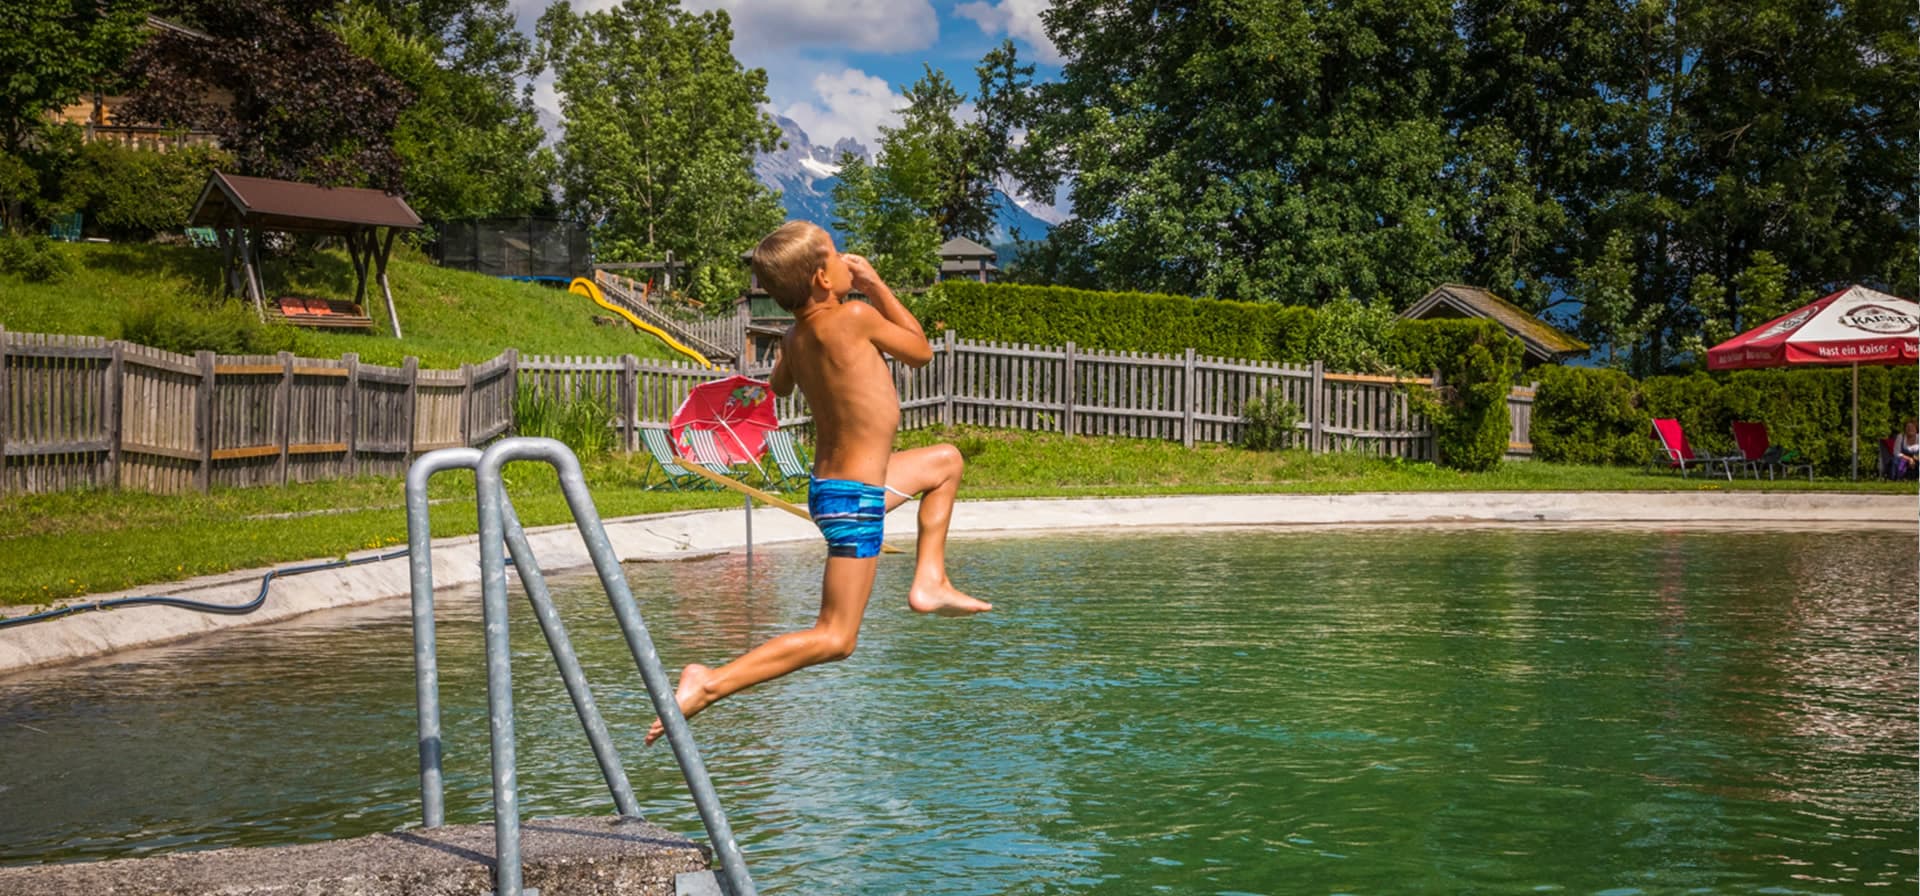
pixel 1672 448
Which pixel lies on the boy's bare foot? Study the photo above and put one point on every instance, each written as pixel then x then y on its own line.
pixel 942 599
pixel 691 695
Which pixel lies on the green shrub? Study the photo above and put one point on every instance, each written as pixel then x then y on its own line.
pixel 228 328
pixel 584 423
pixel 33 258
pixel 1271 422
pixel 130 193
pixel 1584 415
pixel 1477 361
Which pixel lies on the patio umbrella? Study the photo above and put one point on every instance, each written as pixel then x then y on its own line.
pixel 738 409
pixel 1851 327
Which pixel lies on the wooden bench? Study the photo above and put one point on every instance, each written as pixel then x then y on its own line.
pixel 328 314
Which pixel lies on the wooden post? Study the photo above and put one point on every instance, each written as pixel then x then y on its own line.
pixel 359 256
pixel 1067 383
pixel 115 400
pixel 466 405
pixel 6 409
pixel 250 264
pixel 1317 409
pixel 1192 398
pixel 513 387
pixel 626 391
pixel 952 365
pixel 283 408
pixel 203 421
pixel 386 289
pixel 352 402
pixel 411 366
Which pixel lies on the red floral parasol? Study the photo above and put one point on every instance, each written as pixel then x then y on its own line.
pixel 738 410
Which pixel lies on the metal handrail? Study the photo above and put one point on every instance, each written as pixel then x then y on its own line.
pixel 499 527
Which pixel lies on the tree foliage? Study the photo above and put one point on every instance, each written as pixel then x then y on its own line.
pixel 1679 169
pixel 283 90
pixel 53 51
pixel 881 220
pixel 661 127
pixel 470 143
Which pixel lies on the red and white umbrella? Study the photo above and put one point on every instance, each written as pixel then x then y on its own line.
pixel 1851 327
pixel 739 409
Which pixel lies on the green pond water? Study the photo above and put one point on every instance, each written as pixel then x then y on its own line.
pixel 1234 712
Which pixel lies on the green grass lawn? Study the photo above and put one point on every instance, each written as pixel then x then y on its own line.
pixel 109 541
pixel 448 317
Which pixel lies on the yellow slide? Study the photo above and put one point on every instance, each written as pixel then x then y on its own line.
pixel 591 290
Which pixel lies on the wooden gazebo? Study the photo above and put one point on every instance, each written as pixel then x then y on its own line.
pixel 240 209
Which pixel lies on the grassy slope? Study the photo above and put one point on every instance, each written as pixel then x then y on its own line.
pixel 449 317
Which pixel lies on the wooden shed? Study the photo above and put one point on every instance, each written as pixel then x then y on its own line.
pixel 240 209
pixel 1545 343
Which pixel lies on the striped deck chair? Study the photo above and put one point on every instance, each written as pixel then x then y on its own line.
pixel 793 470
pixel 707 454
pixel 660 445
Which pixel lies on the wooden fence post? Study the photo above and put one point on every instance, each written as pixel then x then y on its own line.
pixel 6 410
pixel 353 412
pixel 115 401
pixel 411 368
pixel 1066 417
pixel 203 421
pixel 283 406
pixel 1192 398
pixel 513 389
pixel 952 365
pixel 466 405
pixel 1317 409
pixel 627 392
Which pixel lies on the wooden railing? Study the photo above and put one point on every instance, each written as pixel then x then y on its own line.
pixel 83 412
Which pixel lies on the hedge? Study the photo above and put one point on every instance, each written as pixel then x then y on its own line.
pixel 1600 416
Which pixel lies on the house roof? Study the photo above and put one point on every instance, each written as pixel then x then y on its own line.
pixel 961 247
pixel 1543 340
pixel 267 204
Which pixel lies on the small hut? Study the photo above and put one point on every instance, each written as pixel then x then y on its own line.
pixel 241 209
pixel 963 258
pixel 1544 343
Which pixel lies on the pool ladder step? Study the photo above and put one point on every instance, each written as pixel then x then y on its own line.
pixel 500 535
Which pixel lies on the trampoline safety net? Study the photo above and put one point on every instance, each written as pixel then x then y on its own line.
pixel 546 248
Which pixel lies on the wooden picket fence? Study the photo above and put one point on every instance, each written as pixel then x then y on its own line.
pixel 83 412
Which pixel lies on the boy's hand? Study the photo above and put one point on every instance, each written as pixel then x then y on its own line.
pixel 865 278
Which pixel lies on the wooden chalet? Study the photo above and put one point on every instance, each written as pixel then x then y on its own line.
pixel 95 114
pixel 1545 343
pixel 963 258
pixel 241 209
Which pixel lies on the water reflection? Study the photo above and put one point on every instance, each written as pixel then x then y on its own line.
pixel 1247 712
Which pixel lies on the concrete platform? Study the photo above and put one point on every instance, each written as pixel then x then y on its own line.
pixel 679 536
pixel 560 856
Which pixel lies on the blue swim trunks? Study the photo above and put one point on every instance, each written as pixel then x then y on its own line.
pixel 850 514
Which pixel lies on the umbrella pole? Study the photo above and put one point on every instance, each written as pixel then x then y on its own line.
pixel 1856 421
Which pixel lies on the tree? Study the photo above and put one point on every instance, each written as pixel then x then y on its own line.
pixel 883 221
pixel 662 124
pixel 53 51
pixel 287 96
pixel 470 142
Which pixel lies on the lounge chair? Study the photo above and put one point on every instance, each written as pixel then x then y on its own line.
pixel 678 478
pixel 1758 452
pixel 707 454
pixel 793 470
pixel 1671 447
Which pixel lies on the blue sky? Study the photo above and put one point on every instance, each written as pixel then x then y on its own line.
pixel 838 67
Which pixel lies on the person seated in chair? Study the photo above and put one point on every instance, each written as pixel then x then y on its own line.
pixel 1906 451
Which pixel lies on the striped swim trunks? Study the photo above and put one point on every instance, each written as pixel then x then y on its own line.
pixel 850 514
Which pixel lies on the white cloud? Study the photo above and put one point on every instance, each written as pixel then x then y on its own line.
pixel 871 26
pixel 1018 19
pixel 847 103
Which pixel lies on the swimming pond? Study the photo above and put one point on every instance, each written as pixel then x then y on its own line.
pixel 1361 711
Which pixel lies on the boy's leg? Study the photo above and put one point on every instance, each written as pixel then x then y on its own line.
pixel 933 473
pixel 844 588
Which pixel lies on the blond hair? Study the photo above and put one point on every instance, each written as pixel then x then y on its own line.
pixel 786 260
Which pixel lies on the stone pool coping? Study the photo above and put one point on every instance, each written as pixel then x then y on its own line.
pixel 686 535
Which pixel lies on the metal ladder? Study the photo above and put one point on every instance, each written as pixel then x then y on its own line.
pixel 500 528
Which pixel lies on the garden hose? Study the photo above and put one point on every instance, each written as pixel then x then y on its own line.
pixel 200 606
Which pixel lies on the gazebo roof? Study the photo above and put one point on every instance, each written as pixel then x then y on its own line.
pixel 1542 340
pixel 961 247
pixel 268 204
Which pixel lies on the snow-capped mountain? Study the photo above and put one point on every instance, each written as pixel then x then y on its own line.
pixel 805 175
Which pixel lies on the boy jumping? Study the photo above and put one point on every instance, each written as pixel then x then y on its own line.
pixel 833 353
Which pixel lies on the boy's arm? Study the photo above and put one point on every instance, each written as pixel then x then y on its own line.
pixel 782 377
pixel 897 332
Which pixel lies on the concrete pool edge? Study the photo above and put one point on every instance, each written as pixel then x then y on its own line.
pixel 687 535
